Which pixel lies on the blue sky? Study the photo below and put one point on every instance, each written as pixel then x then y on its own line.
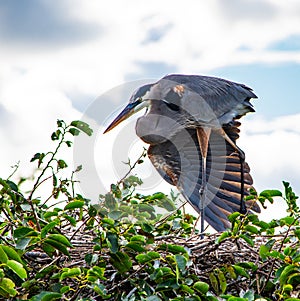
pixel 74 59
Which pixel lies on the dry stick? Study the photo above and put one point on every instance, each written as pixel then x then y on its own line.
pixel 167 216
pixel 76 231
pixel 124 280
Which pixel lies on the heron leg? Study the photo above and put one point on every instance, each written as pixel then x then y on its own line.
pixel 243 208
pixel 203 134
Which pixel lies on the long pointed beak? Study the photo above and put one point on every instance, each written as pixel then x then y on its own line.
pixel 127 112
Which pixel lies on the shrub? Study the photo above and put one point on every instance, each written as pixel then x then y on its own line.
pixel 135 247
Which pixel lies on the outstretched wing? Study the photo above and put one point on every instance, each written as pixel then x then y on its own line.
pixel 179 163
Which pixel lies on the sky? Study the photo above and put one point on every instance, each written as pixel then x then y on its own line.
pixel 75 59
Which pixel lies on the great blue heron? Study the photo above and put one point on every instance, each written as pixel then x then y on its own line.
pixel 192 130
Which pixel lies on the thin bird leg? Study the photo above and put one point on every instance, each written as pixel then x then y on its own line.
pixel 243 208
pixel 203 134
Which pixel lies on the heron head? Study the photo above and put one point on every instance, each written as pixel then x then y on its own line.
pixel 168 91
pixel 139 100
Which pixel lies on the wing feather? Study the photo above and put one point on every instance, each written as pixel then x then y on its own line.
pixel 179 163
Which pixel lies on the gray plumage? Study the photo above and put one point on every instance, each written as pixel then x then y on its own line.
pixel 191 126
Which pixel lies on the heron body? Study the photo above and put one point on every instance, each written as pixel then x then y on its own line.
pixel 192 130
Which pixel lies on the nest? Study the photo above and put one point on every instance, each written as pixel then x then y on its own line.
pixel 206 256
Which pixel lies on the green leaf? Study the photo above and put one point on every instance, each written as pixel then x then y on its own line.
pixel 148 228
pixel 247 239
pixel 82 126
pixel 145 207
pixel 180 262
pixel 23 243
pixel 167 204
pixel 12 254
pixel 270 193
pixel 7 288
pixel 241 271
pixel 141 239
pixel 48 249
pixel 50 214
pixel 58 246
pixel 222 281
pixel 70 273
pixel 45 270
pixel 186 289
pixel 201 287
pixel 61 239
pixel 96 273
pixel 232 217
pixel 288 221
pixel 135 247
pixel 24 232
pixel 70 219
pixel 287 288
pixel 287 251
pixel 230 271
pixel 60 123
pixel 251 229
pixel 61 164
pixel 153 298
pixel 47 228
pixel 91 259
pixel 3 256
pixel 112 241
pixel 101 290
pixel 46 296
pixel 237 299
pixel 223 236
pixel 108 221
pixel 264 252
pixel 143 258
pixel 99 272
pixel 249 295
pixel 248 265
pixel 121 261
pixel 74 205
pixel 297 233
pixel 37 156
pixel 74 131
pixel 17 268
pixel 153 254
pixel 55 135
pixel 287 272
pixel 214 282
pixel 174 249
pixel 115 214
pixel 65 289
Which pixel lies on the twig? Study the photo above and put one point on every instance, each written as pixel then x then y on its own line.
pixel 168 215
pixel 131 167
pixel 126 279
pixel 15 168
pixel 274 259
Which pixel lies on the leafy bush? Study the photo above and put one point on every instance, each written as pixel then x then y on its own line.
pixel 135 247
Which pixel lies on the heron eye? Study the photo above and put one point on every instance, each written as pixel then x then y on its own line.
pixel 172 106
pixel 139 100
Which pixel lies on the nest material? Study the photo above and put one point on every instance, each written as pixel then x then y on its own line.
pixel 205 255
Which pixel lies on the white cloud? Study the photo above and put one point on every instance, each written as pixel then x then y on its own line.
pixel 272 150
pixel 35 83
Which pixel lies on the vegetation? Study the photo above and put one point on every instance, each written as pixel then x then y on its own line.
pixel 135 247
